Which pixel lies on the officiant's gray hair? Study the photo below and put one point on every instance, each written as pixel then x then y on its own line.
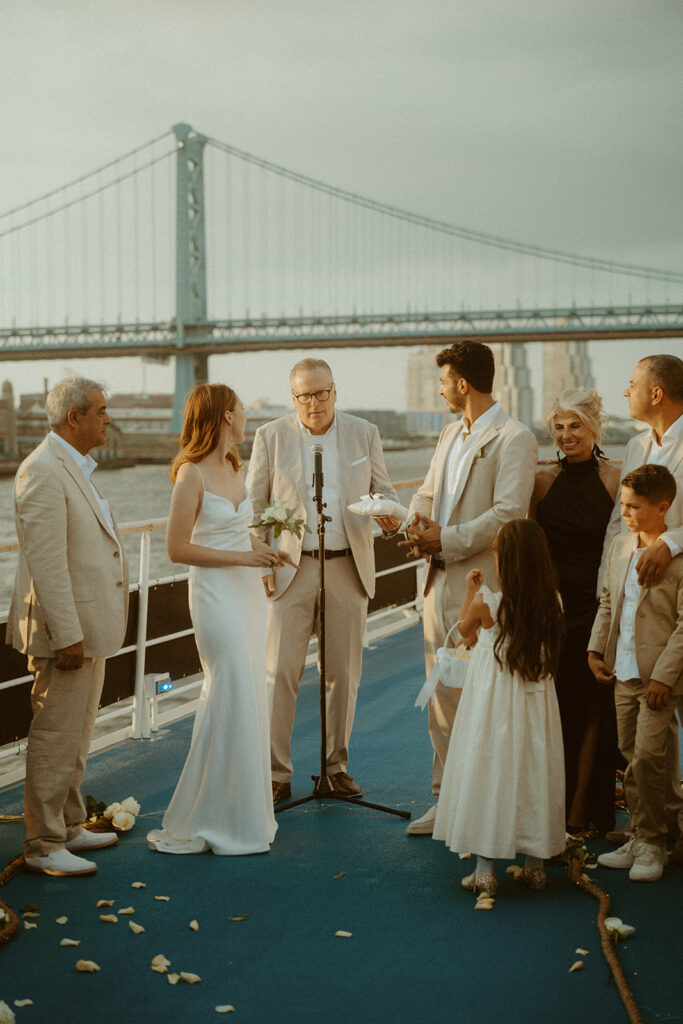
pixel 70 393
pixel 585 405
pixel 310 364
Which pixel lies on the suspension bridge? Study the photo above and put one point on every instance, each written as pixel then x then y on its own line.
pixel 188 246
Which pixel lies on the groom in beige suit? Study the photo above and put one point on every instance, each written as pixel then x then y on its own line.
pixel 68 614
pixel 481 476
pixel 281 467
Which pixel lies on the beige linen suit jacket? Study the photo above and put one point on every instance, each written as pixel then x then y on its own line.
pixel 493 489
pixel 276 471
pixel 659 618
pixel 636 454
pixel 70 584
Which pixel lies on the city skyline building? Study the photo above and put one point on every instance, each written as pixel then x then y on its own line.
pixel 511 383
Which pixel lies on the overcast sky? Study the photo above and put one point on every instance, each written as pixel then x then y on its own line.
pixel 556 123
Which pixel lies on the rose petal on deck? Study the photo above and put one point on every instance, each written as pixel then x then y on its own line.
pixel 87 966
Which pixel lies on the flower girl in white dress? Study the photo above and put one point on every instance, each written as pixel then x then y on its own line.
pixel 223 800
pixel 503 787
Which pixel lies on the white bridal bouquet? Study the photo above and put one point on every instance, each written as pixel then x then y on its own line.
pixel 282 517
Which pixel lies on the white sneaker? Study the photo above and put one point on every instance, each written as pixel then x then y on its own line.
pixel 60 863
pixel 91 841
pixel 621 858
pixel 649 862
pixel 423 826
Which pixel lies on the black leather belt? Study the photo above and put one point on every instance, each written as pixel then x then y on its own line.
pixel 341 553
pixel 438 563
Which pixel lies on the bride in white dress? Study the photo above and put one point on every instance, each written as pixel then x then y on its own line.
pixel 223 801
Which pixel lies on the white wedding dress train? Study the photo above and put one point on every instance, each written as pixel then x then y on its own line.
pixel 223 801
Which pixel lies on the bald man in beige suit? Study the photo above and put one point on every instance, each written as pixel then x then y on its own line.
pixel 481 476
pixel 281 467
pixel 68 614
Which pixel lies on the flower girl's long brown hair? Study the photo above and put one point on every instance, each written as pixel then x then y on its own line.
pixel 204 410
pixel 530 616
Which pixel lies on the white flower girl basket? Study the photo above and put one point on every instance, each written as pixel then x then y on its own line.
pixel 450 669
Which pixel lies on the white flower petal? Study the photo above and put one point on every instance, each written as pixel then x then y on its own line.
pixel 30 924
pixel 576 966
pixel 138 885
pixel 104 903
pixel 109 918
pixel 581 952
pixel 190 978
pixel 61 920
pixel 194 925
pixel 6 1015
pixel 136 928
pixel 23 1002
pixel 343 935
pixel 173 979
pixel 163 899
pixel 227 1008
pixel 160 964
pixel 126 910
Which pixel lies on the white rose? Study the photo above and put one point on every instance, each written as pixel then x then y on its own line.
pixel 6 1015
pixel 123 821
pixel 130 805
pixel 110 811
pixel 281 515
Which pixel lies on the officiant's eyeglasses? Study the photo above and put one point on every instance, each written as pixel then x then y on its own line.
pixel 322 396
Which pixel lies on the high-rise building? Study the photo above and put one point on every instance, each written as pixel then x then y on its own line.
pixel 566 364
pixel 511 384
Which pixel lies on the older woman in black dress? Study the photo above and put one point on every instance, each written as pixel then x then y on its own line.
pixel 573 501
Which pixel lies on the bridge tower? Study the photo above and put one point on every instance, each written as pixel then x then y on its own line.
pixel 191 308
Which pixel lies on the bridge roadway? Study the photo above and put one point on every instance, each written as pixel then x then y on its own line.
pixel 349 331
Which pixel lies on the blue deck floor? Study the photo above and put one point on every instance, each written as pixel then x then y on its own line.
pixel 418 950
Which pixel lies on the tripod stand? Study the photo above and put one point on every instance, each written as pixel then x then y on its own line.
pixel 323 788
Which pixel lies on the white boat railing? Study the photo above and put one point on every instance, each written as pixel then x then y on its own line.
pixel 138 709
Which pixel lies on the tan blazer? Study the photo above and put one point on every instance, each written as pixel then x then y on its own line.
pixel 637 451
pixel 659 618
pixel 495 488
pixel 70 584
pixel 276 471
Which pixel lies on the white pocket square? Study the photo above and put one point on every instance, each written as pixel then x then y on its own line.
pixel 357 462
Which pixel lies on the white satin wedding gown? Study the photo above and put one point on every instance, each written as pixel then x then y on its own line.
pixel 223 801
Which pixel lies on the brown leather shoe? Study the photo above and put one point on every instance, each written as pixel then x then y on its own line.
pixel 281 791
pixel 620 836
pixel 344 784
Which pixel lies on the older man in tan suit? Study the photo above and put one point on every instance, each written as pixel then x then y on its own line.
pixel 68 613
pixel 655 397
pixel 281 467
pixel 481 476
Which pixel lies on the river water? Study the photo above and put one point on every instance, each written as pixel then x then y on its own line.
pixel 144 492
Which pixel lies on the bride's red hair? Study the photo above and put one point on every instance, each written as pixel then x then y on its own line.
pixel 204 410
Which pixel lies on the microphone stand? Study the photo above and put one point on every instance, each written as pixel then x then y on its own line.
pixel 323 788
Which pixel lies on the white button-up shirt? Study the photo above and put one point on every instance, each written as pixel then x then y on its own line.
pixel 455 465
pixel 336 538
pixel 625 662
pixel 661 454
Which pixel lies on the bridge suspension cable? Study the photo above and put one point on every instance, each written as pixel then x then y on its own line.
pixel 483 238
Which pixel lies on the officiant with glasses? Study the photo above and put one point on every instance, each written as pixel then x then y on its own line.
pixel 281 469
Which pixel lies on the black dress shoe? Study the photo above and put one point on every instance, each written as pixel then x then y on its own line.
pixel 281 791
pixel 344 784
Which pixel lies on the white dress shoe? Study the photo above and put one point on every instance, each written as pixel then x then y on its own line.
pixel 423 826
pixel 648 864
pixel 621 858
pixel 91 841
pixel 61 863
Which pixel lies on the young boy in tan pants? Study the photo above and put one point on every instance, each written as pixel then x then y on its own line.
pixel 637 646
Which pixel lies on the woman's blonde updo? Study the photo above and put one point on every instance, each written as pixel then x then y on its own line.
pixel 585 405
pixel 205 407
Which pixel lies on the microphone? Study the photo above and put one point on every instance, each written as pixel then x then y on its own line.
pixel 317 450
